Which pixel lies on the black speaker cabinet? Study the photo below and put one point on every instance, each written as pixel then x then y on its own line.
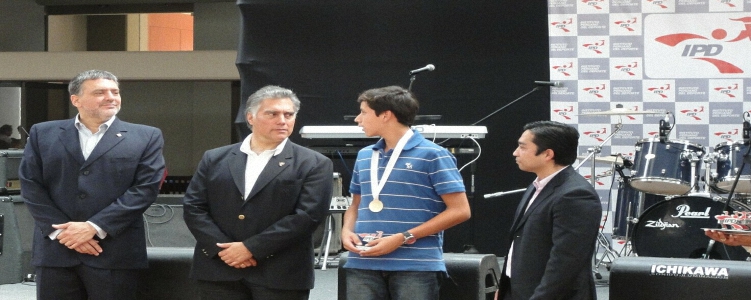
pixel 167 275
pixel 319 239
pixel 471 277
pixel 16 229
pixel 164 223
pixel 647 278
pixel 10 160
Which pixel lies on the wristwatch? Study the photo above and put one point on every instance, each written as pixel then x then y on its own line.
pixel 409 239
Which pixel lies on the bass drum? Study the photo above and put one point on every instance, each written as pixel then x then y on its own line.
pixel 673 228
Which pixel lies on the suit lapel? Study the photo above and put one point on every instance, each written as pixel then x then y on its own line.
pixel 544 196
pixel 522 204
pixel 69 138
pixel 114 135
pixel 276 165
pixel 237 167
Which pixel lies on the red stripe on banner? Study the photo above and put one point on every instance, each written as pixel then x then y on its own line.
pixel 723 66
pixel 675 39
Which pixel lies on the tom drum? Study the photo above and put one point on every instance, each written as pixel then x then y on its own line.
pixel 665 168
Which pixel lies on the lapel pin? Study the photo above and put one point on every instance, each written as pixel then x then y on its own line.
pixel 281 163
pixel 119 135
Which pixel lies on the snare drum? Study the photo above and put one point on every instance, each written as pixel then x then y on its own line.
pixel 673 228
pixel 665 168
pixel 631 204
pixel 729 161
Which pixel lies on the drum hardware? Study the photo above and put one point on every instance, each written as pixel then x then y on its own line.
pixel 631 203
pixel 602 241
pixel 745 159
pixel 616 159
pixel 729 158
pixel 709 159
pixel 665 128
pixel 594 151
pixel 693 157
pixel 667 168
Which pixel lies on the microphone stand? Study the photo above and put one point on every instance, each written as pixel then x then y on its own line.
pixel 507 105
pixel 411 80
pixel 469 249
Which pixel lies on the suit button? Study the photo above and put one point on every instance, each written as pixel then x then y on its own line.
pixel 241 217
pixel 82 196
pixel 86 172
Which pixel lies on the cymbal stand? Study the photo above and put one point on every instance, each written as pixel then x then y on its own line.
pixel 602 241
pixel 597 149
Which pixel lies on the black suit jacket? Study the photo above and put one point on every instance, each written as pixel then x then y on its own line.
pixel 554 241
pixel 112 189
pixel 289 200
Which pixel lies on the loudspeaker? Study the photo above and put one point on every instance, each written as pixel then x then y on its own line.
pixel 10 160
pixel 16 230
pixel 336 242
pixel 471 276
pixel 167 275
pixel 647 278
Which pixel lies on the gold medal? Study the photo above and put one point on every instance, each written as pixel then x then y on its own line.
pixel 375 205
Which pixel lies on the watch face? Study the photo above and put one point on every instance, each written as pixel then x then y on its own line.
pixel 409 239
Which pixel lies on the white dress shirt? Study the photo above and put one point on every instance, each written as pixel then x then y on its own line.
pixel 256 162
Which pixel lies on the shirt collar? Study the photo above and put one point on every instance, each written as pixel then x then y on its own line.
pixel 411 143
pixel 106 125
pixel 541 183
pixel 245 146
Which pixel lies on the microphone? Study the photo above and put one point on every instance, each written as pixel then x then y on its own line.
pixel 23 130
pixel 498 194
pixel 548 83
pixel 625 161
pixel 665 128
pixel 429 67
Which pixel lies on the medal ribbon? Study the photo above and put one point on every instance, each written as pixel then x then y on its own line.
pixel 375 185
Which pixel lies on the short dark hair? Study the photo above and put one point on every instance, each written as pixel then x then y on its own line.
pixel 6 129
pixel 74 87
pixel 561 138
pixel 398 100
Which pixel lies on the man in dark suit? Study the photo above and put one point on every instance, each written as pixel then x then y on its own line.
pixel 253 207
pixel 86 182
pixel 555 226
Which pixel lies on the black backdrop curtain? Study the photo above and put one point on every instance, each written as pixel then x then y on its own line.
pixel 486 54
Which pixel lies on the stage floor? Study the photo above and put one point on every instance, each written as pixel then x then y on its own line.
pixel 325 287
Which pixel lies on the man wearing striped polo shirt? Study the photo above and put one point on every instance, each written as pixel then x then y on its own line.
pixel 405 191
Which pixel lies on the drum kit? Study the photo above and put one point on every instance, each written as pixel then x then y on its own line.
pixel 664 201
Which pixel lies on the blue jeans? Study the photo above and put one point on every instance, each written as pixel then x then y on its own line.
pixel 392 285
